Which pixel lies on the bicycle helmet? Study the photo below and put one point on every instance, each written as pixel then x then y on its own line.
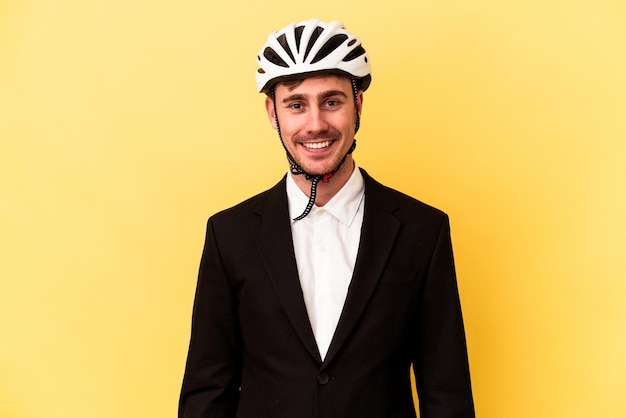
pixel 309 47
pixel 305 49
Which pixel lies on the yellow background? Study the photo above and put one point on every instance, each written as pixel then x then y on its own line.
pixel 125 124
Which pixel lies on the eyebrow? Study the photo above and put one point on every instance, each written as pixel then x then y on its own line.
pixel 320 96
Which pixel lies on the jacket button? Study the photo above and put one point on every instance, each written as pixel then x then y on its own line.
pixel 323 378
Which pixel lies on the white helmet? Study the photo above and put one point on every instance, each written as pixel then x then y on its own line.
pixel 312 47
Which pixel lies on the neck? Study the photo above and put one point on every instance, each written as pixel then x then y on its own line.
pixel 326 190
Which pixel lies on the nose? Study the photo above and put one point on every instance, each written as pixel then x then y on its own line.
pixel 316 121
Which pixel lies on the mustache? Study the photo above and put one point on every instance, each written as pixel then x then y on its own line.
pixel 329 135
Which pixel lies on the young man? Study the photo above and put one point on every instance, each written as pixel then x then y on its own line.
pixel 316 296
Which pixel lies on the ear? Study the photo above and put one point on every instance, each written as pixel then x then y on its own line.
pixel 271 111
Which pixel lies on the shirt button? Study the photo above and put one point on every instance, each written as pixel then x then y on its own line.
pixel 323 378
pixel 322 248
pixel 323 300
pixel 320 212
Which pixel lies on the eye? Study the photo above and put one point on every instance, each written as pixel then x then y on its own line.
pixel 295 106
pixel 332 103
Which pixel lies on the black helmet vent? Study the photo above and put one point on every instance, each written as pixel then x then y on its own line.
pixel 274 58
pixel 282 40
pixel 298 33
pixel 355 53
pixel 316 34
pixel 329 46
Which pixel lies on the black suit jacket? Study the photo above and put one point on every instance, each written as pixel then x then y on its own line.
pixel 253 353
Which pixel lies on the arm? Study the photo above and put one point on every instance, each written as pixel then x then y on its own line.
pixel 212 376
pixel 440 364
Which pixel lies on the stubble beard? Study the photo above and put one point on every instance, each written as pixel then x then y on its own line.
pixel 329 166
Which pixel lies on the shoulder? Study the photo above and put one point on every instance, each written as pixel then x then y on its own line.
pixel 248 208
pixel 377 193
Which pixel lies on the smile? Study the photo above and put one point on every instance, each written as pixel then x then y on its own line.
pixel 316 145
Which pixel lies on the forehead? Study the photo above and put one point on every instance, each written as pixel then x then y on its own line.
pixel 315 85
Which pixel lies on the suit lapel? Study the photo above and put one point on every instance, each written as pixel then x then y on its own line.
pixel 275 245
pixel 378 234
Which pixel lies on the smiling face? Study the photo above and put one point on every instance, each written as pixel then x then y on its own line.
pixel 317 118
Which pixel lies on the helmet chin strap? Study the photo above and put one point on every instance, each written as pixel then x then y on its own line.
pixel 295 168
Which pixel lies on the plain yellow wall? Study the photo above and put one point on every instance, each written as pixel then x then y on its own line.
pixel 125 124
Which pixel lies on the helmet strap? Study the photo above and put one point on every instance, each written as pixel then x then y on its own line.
pixel 295 168
pixel 355 93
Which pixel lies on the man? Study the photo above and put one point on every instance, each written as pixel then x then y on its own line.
pixel 316 296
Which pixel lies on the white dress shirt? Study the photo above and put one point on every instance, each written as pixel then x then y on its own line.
pixel 326 243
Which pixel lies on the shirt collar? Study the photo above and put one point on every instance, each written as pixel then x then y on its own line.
pixel 343 206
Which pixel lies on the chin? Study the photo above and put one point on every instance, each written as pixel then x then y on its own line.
pixel 321 166
pixel 320 169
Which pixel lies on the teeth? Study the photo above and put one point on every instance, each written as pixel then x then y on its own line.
pixel 316 145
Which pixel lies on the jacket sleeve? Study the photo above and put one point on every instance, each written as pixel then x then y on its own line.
pixel 212 376
pixel 440 363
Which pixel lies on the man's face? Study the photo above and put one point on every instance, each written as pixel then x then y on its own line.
pixel 317 119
